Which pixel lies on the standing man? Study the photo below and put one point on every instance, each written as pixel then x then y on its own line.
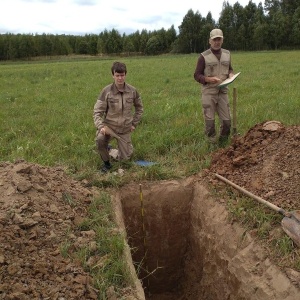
pixel 114 116
pixel 213 67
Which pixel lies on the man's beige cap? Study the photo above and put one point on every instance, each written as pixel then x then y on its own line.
pixel 216 33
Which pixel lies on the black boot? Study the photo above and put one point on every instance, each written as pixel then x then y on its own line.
pixel 106 167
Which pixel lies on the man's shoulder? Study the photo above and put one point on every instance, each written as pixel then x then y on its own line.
pixel 129 87
pixel 225 51
pixel 107 89
pixel 206 52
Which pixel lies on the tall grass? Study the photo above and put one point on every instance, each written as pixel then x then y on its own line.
pixel 46 108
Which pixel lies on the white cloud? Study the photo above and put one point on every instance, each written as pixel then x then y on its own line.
pixel 93 16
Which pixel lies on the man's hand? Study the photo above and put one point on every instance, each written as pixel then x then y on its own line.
pixel 212 79
pixel 102 130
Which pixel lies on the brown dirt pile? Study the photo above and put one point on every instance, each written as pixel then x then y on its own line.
pixel 38 207
pixel 266 162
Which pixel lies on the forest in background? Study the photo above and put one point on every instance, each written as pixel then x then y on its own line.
pixel 274 26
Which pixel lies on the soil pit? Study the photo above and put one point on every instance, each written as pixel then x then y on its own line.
pixel 183 246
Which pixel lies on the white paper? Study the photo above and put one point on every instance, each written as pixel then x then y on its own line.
pixel 229 80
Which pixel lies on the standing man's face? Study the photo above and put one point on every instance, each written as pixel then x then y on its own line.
pixel 119 79
pixel 216 43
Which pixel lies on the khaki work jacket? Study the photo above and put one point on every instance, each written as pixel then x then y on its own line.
pixel 115 109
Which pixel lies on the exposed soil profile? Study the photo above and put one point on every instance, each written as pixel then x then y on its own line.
pixel 188 249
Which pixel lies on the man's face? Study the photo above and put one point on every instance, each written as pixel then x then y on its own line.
pixel 216 43
pixel 119 78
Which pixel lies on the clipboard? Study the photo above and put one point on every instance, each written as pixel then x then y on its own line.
pixel 228 80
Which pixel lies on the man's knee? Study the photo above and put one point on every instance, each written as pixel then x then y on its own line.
pixel 101 142
pixel 125 151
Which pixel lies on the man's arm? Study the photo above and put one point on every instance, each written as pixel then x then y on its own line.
pixel 139 109
pixel 199 71
pixel 100 110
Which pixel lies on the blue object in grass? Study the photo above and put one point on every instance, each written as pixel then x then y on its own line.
pixel 144 163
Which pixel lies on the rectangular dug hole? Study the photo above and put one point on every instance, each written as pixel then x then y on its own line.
pixel 157 221
pixel 184 247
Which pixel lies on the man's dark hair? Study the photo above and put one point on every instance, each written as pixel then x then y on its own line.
pixel 118 67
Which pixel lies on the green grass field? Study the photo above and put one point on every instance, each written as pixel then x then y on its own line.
pixel 46 109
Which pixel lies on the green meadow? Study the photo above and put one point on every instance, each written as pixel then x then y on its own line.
pixel 47 118
pixel 46 109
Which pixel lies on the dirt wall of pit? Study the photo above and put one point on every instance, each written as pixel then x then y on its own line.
pixel 192 249
pixel 228 263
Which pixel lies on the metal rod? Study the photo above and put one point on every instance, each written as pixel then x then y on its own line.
pixel 234 111
pixel 144 236
pixel 143 218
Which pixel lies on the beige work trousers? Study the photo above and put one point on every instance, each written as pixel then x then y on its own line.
pixel 213 104
pixel 124 146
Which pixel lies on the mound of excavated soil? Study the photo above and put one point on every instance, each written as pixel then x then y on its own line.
pixel 266 162
pixel 38 207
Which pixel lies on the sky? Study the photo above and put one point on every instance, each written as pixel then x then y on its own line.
pixel 80 17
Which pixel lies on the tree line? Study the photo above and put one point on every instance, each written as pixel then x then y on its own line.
pixel 276 25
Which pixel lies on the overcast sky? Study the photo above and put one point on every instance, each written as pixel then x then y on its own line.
pixel 76 17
